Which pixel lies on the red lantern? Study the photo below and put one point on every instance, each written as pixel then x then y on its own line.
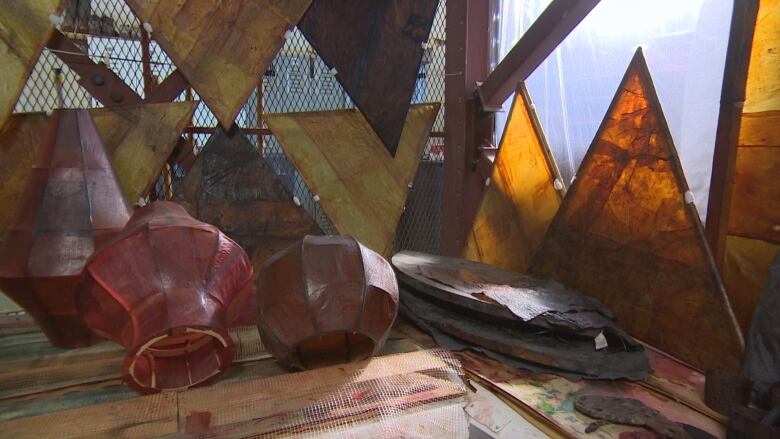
pixel 72 204
pixel 325 300
pixel 167 288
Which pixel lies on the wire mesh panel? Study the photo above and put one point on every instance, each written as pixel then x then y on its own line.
pixel 297 80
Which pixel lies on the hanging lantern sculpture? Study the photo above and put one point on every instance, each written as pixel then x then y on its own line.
pixel 325 300
pixel 167 288
pixel 72 204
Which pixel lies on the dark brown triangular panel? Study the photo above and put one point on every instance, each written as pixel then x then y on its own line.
pixel 232 187
pixel 375 48
pixel 626 235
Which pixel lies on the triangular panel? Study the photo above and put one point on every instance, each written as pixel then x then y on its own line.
pixel 626 235
pixel 140 139
pixel 222 48
pixel 753 234
pixel 24 28
pixel 232 187
pixel 375 48
pixel 521 200
pixel 361 188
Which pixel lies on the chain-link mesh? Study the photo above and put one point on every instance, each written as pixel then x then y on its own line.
pixel 297 80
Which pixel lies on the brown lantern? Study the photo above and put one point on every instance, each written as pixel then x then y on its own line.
pixel 72 203
pixel 325 300
pixel 167 288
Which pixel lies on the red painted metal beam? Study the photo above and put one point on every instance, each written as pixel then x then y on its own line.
pixel 168 90
pixel 97 79
pixel 544 35
pixel 466 127
pixel 743 22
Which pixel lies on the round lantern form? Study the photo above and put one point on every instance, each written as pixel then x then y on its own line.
pixel 166 289
pixel 325 300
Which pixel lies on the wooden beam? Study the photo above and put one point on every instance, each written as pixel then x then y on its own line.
pixel 743 23
pixel 538 42
pixel 102 83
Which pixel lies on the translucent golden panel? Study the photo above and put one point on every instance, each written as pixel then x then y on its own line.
pixel 753 231
pixel 521 200
pixel 24 29
pixel 763 81
pixel 626 235
pixel 361 188
pixel 221 47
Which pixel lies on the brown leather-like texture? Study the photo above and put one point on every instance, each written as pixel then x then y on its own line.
pixel 515 317
pixel 72 204
pixel 325 300
pixel 167 288
pixel 222 47
pixel 521 201
pixel 376 48
pixel 24 29
pixel 753 234
pixel 361 187
pixel 138 138
pixel 626 235
pixel 232 187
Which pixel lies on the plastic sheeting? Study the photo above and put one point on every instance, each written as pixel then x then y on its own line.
pixel 685 45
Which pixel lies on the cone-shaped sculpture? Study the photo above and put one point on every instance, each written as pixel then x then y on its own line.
pixel 72 204
pixel 628 234
pixel 25 27
pixel 751 235
pixel 375 48
pixel 138 138
pixel 222 48
pixel 167 288
pixel 232 187
pixel 325 300
pixel 522 198
pixel 361 188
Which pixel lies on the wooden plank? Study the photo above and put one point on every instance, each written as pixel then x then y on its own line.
pixel 258 400
pixel 626 235
pixel 140 139
pixel 521 200
pixel 24 29
pixel 148 416
pixel 361 187
pixel 375 48
pixel 222 48
pixel 762 91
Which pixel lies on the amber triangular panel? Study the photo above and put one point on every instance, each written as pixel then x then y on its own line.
pixel 72 204
pixel 521 200
pixel 232 187
pixel 753 232
pixel 140 138
pixel 222 48
pixel 375 48
pixel 361 188
pixel 24 29
pixel 626 235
